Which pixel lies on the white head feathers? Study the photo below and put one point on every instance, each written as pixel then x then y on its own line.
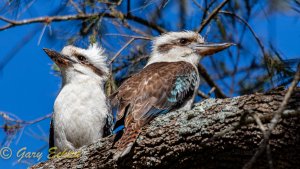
pixel 169 47
pixel 94 55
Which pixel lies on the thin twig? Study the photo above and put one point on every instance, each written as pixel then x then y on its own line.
pixel 275 119
pixel 26 8
pixel 249 27
pixel 210 82
pixel 263 129
pixel 278 113
pixel 198 5
pixel 200 93
pixel 211 91
pixel 133 28
pixel 42 34
pixel 13 125
pixel 38 119
pixel 265 55
pixel 23 122
pixel 130 36
pixel 211 16
pixel 119 52
pixel 132 62
pixel 111 3
pixel 245 120
pixel 259 123
pixel 75 6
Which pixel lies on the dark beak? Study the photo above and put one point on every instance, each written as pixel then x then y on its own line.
pixel 58 58
pixel 210 48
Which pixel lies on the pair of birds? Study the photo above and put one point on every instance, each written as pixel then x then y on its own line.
pixel 169 81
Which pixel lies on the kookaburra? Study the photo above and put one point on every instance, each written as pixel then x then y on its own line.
pixel 82 112
pixel 168 82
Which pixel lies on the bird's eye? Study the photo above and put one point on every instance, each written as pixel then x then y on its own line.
pixel 183 41
pixel 80 57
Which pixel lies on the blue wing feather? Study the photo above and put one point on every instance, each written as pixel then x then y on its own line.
pixel 183 84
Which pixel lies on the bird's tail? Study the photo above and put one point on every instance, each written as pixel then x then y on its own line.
pixel 125 143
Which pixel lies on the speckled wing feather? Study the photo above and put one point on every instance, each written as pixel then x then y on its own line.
pixel 158 88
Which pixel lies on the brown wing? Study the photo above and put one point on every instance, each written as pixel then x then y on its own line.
pixel 152 87
pixel 158 88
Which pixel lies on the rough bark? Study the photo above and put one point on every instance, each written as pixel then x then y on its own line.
pixel 217 133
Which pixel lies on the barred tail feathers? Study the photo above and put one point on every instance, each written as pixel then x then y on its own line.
pixel 125 143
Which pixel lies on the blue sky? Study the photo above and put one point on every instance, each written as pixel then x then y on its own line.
pixel 28 86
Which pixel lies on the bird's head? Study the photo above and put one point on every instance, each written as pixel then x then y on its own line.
pixel 87 62
pixel 183 46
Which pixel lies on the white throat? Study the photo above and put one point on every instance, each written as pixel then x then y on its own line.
pixel 75 77
pixel 191 57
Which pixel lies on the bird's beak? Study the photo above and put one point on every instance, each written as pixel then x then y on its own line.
pixel 58 58
pixel 210 48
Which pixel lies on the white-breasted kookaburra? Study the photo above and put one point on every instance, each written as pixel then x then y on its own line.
pixel 81 112
pixel 168 82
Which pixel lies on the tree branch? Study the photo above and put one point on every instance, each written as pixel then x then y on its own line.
pixel 48 20
pixel 217 133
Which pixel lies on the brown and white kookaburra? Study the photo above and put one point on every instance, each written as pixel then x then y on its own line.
pixel 168 82
pixel 82 112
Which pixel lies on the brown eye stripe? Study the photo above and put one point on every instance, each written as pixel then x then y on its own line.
pixel 91 66
pixel 164 48
pixel 96 70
